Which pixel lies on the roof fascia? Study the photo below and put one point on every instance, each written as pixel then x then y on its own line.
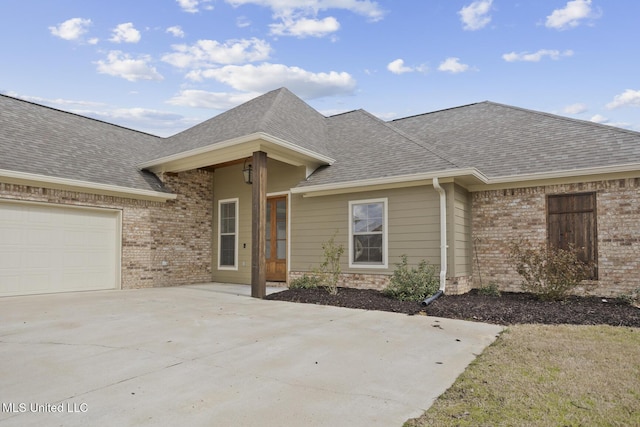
pixel 631 170
pixel 36 180
pixel 236 148
pixel 473 180
pixel 465 177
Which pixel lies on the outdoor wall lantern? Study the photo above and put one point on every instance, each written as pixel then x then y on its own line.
pixel 247 171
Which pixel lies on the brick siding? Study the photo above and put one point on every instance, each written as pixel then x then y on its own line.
pixel 503 216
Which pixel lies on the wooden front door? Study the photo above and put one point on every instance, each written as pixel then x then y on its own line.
pixel 276 251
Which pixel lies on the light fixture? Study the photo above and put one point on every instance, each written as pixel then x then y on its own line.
pixel 247 171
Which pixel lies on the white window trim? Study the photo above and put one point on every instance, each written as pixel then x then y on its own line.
pixel 235 259
pixel 385 233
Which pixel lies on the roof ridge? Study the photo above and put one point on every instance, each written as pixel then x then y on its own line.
pixel 439 111
pixel 78 115
pixel 269 112
pixel 570 119
pixel 405 135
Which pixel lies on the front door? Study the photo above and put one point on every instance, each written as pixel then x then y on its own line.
pixel 276 251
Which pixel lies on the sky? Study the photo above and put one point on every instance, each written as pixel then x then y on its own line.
pixel 162 66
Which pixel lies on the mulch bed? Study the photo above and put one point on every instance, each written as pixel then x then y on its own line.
pixel 507 309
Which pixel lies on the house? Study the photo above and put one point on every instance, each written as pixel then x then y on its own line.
pixel 87 205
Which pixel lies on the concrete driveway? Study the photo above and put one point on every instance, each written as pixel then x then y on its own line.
pixel 209 355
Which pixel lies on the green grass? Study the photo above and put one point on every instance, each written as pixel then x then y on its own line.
pixel 547 375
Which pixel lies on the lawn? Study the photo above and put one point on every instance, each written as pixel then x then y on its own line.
pixel 547 375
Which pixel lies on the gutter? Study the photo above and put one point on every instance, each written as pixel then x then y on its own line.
pixel 443 243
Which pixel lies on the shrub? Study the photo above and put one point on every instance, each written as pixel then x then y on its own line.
pixel 549 272
pixel 491 290
pixel 329 272
pixel 305 282
pixel 412 284
pixel 632 299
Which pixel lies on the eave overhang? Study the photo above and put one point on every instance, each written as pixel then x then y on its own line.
pixel 238 148
pixel 57 183
pixel 573 176
pixel 464 177
pixel 473 180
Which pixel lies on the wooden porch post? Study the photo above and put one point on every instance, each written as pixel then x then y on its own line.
pixel 259 225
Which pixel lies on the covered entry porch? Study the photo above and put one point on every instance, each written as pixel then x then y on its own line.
pixel 252 178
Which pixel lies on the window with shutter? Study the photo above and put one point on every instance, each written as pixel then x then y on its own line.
pixel 571 221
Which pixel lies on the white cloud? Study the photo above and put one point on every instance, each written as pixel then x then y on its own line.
pixel 575 108
pixel 122 65
pixel 211 100
pixel 56 102
pixel 243 22
pixel 536 56
pixel 206 53
pixel 71 29
pixel 476 15
pixel 398 67
pixel 305 27
pixel 125 33
pixel 628 98
pixel 571 15
pixel 598 118
pixel 265 77
pixel 176 31
pixel 367 8
pixel 194 6
pixel 453 65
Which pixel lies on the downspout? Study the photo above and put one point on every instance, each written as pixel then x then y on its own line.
pixel 443 243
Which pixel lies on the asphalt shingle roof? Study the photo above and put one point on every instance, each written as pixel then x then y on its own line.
pixel 45 141
pixel 367 147
pixel 502 140
pixel 496 139
pixel 278 113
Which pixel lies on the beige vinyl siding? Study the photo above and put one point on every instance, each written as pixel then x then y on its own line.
pixel 460 240
pixel 228 183
pixel 413 227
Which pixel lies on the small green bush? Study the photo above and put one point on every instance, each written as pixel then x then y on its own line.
pixel 491 290
pixel 412 284
pixel 305 282
pixel 329 271
pixel 549 272
pixel 632 299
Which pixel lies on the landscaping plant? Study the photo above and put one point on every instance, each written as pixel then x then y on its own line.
pixel 412 284
pixel 490 290
pixel 549 272
pixel 305 282
pixel 329 271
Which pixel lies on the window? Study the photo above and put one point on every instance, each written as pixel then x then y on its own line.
pixel 228 234
pixel 571 220
pixel 368 233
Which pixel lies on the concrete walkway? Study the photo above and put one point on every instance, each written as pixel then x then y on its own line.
pixel 209 355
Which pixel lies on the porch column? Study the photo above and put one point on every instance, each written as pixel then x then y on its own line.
pixel 259 225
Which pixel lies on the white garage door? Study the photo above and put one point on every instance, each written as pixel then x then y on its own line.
pixel 48 248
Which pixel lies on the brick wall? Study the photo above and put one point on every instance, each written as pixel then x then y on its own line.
pixel 353 280
pixel 504 216
pixel 177 231
pixel 455 285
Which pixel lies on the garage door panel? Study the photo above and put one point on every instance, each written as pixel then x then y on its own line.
pixel 45 248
